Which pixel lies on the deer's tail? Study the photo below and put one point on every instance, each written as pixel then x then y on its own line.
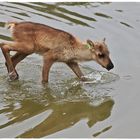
pixel 1 44
pixel 10 25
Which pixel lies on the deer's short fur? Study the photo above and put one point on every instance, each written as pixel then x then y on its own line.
pixel 54 45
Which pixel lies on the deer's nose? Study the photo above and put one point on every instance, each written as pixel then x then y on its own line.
pixel 110 66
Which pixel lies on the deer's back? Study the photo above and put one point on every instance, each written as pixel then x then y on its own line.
pixel 42 36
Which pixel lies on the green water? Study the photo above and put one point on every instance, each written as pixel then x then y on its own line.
pixel 107 107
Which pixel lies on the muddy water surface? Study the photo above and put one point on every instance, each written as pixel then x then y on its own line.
pixel 105 107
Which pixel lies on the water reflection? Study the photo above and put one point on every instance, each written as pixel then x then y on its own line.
pixel 74 3
pixel 5 37
pixel 59 12
pixel 126 24
pixel 67 114
pixel 104 130
pixel 64 113
pixel 103 15
pixel 2 24
pixel 56 12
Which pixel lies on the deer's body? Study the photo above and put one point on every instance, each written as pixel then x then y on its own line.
pixel 53 44
pixel 41 39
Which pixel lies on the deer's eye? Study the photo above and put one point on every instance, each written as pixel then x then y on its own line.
pixel 101 55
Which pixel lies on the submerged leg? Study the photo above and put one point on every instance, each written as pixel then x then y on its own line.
pixel 10 68
pixel 75 68
pixel 11 62
pixel 47 63
pixel 17 58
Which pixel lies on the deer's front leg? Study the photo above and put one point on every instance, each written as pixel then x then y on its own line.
pixel 75 68
pixel 47 63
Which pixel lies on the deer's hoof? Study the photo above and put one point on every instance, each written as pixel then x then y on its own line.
pixel 84 79
pixel 13 76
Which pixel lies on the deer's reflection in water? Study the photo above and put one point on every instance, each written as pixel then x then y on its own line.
pixel 66 110
pixel 67 114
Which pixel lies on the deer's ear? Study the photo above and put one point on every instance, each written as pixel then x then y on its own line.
pixel 90 43
pixel 104 39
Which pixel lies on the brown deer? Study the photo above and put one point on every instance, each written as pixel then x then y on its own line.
pixel 54 45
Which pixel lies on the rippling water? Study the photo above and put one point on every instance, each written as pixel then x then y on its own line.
pixel 107 106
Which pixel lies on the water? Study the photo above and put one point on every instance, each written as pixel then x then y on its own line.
pixel 105 107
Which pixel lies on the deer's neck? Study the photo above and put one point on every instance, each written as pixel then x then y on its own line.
pixel 83 53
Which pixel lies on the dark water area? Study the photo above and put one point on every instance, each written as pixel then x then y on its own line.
pixel 105 107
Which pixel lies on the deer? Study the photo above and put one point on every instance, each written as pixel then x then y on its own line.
pixel 54 45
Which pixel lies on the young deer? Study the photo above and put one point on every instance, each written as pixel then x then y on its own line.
pixel 54 45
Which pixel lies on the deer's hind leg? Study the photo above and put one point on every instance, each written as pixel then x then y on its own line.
pixel 16 58
pixel 10 68
pixel 11 62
